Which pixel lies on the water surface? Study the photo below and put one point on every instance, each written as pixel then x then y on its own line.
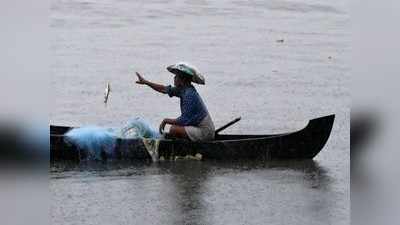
pixel 275 86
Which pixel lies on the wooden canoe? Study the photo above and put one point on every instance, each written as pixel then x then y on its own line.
pixel 302 144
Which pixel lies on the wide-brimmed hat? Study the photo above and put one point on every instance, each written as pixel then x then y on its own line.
pixel 186 69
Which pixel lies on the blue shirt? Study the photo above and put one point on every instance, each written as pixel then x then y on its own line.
pixel 193 110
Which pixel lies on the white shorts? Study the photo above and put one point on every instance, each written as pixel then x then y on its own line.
pixel 205 131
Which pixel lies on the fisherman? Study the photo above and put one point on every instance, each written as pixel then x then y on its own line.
pixel 195 122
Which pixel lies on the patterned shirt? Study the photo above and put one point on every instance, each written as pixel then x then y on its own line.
pixel 193 110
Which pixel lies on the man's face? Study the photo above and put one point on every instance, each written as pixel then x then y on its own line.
pixel 177 81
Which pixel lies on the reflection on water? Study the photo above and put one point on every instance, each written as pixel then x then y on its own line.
pixel 193 192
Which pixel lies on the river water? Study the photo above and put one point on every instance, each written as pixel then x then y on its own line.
pixel 274 85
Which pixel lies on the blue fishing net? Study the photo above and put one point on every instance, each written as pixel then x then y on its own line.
pixel 138 128
pixel 97 140
pixel 94 140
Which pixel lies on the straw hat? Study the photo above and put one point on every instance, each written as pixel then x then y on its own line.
pixel 183 68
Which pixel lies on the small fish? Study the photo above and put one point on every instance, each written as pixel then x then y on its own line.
pixel 107 92
pixel 280 40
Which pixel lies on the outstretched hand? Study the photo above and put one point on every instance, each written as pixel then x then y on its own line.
pixel 140 80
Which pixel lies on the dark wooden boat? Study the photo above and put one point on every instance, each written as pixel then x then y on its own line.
pixel 303 144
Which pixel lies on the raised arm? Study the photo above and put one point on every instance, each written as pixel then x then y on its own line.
pixel 157 87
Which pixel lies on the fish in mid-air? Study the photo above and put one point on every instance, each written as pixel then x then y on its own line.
pixel 107 92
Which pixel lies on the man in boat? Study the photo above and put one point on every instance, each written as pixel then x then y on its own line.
pixel 195 122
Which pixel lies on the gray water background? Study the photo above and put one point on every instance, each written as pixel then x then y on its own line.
pixel 276 87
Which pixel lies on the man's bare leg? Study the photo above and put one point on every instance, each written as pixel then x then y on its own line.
pixel 177 132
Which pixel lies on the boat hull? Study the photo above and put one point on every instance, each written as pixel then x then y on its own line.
pixel 303 144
